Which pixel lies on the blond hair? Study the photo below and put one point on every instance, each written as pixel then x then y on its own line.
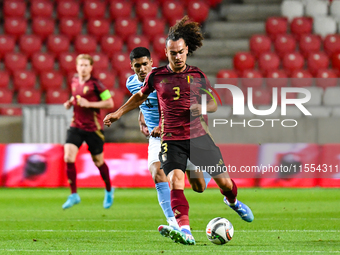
pixel 85 56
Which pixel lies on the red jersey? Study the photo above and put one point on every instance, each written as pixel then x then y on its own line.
pixel 176 92
pixel 87 119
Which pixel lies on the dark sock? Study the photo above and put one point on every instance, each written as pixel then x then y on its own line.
pixel 104 173
pixel 231 194
pixel 180 207
pixel 72 176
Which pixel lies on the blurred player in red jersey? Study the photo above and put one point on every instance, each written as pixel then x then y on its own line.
pixel 89 95
pixel 184 130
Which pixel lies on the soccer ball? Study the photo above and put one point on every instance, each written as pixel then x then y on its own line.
pixel 219 231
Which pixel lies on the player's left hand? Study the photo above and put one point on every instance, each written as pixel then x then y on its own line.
pixel 110 118
pixel 195 109
pixel 156 132
pixel 82 102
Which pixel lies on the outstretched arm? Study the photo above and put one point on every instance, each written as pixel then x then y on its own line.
pixel 133 102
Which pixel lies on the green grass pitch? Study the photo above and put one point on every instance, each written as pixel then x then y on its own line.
pixel 287 221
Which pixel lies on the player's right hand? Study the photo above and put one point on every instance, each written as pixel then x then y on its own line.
pixel 110 118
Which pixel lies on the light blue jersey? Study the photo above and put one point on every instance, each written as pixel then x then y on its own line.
pixel 150 106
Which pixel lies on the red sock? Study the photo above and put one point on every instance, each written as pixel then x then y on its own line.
pixel 72 176
pixel 180 207
pixel 231 194
pixel 104 173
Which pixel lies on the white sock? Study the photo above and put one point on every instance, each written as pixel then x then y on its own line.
pixel 233 204
pixel 172 222
pixel 187 227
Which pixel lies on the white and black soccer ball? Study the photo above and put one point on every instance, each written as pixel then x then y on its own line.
pixel 219 231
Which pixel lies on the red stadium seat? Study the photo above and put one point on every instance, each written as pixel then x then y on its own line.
pixel 301 78
pixel 6 96
pixel 172 10
pixel 120 9
pixel 284 43
pixel 121 62
pixel 41 8
pixel 14 9
pixel 317 61
pixel 243 61
pixel 29 96
pixel 259 44
pixel 57 44
pixel 134 41
pixel 94 9
pixel 111 44
pixel 158 45
pixel 85 44
pixel 57 96
pixel 146 9
pixel 7 44
pixel 100 61
pixel 68 9
pixel 23 79
pixel 331 44
pixel 261 96
pixel 122 81
pixel 15 61
pixel 276 26
pixel 98 28
pixel 292 61
pixel 42 62
pixel 67 62
pixel 198 11
pixel 15 26
pixel 301 26
pixel 118 98
pixel 43 27
pixel 11 111
pixel 326 78
pixel 227 76
pixel 71 27
pixel 107 77
pixel 309 43
pixel 30 44
pixel 268 62
pixel 251 78
pixel 155 59
pixel 4 79
pixel 51 80
pixel 124 27
pixel 276 78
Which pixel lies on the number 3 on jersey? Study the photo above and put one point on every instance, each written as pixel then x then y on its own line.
pixel 177 92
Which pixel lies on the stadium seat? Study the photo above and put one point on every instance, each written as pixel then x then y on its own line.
pixel 158 46
pixel 259 44
pixel 4 79
pixel 336 62
pixel 107 77
pixel 172 10
pixel 227 76
pixel 57 44
pixel 309 43
pixel 51 80
pixel 251 78
pixel 7 44
pixel 6 96
pixel 43 27
pixel 324 26
pixel 276 26
pixel 68 9
pixel 301 26
pixel 56 96
pixel 243 61
pixel 284 44
pixel 15 26
pixel 155 59
pixel 292 9
pixel 268 61
pixel 11 111
pixel 331 44
pixel 124 27
pixel 111 44
pixel 152 27
pixel 29 96
pixel 42 62
pixel 14 9
pixel 118 98
pixel 261 96
pixel 335 9
pixel 15 61
pixel 122 76
pixel 41 8
pixel 134 41
pixel 30 44
pixel 301 78
pixel 276 78
pixel 98 28
pixel 292 61
pixel 317 61
pixel 316 8
pixel 23 79
pixel 146 9
pixel 120 62
pixel 198 11
pixel 120 9
pixel 331 96
pixel 85 44
pixel 94 9
pixel 100 61
pixel 326 78
pixel 67 62
pixel 71 27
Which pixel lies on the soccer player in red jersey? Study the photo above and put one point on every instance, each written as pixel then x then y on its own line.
pixel 184 131
pixel 89 95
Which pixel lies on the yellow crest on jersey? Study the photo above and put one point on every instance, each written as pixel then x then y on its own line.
pixel 85 89
pixel 190 79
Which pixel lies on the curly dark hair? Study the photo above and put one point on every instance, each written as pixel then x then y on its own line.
pixel 189 31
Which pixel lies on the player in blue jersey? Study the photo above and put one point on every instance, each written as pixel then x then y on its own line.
pixel 141 63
